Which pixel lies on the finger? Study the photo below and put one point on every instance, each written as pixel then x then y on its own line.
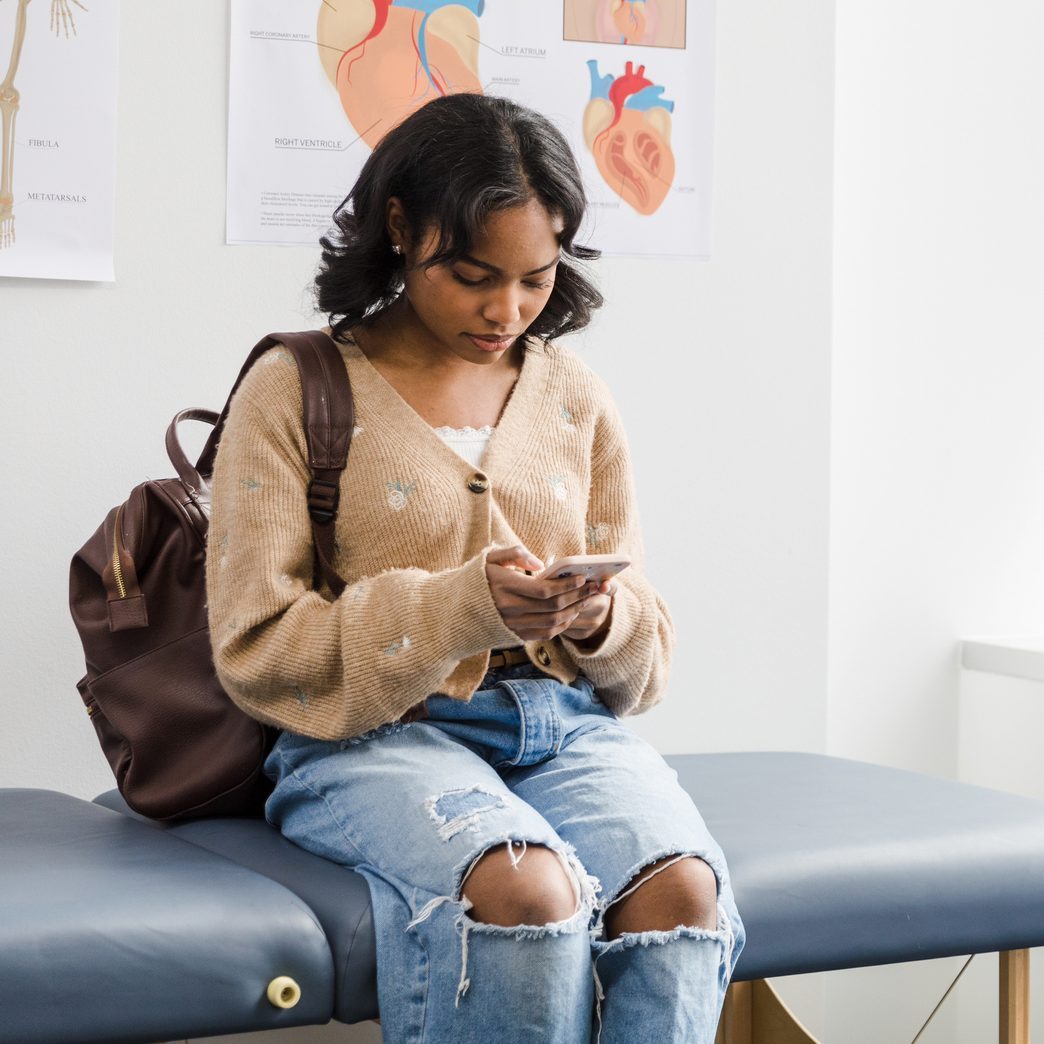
pixel 510 580
pixel 566 589
pixel 531 624
pixel 551 595
pixel 574 596
pixel 523 590
pixel 518 556
pixel 531 615
pixel 543 625
pixel 579 628
pixel 586 604
pixel 593 608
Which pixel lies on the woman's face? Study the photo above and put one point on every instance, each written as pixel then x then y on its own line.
pixel 478 306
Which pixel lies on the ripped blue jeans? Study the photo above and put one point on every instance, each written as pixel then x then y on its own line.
pixel 412 807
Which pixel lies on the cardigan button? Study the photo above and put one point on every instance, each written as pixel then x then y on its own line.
pixel 543 657
pixel 478 483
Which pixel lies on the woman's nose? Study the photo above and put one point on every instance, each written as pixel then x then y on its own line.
pixel 503 307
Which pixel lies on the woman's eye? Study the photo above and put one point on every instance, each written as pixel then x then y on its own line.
pixel 479 282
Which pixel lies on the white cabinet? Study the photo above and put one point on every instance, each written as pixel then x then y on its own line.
pixel 1000 732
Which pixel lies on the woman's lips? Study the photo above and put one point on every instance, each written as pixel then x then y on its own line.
pixel 489 344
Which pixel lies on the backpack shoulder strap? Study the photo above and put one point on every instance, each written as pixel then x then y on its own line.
pixel 329 419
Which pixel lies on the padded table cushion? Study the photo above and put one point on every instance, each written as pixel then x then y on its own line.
pixel 339 897
pixel 841 864
pixel 835 864
pixel 111 931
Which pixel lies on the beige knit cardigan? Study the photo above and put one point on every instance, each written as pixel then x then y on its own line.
pixel 414 529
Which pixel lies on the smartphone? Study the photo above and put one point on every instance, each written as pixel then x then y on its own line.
pixel 594 567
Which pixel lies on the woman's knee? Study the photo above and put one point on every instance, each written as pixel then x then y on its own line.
pixel 684 891
pixel 531 885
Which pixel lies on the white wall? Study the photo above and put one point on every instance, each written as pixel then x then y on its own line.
pixel 720 369
pixel 937 438
pixel 937 435
pixel 1001 722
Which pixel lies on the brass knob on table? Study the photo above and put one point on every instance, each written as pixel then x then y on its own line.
pixel 283 992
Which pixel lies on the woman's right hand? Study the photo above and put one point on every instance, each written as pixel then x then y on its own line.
pixel 536 610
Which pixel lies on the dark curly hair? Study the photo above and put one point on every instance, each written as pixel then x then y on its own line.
pixel 452 163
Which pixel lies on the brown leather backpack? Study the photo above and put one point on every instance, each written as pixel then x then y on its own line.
pixel 176 743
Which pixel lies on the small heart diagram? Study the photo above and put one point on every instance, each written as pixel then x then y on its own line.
pixel 627 127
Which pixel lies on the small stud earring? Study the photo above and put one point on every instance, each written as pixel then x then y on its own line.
pixel 396 249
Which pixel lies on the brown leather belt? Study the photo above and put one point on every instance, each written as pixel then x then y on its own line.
pixel 504 657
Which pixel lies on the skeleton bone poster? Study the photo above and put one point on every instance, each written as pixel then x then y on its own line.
pixel 58 109
pixel 315 85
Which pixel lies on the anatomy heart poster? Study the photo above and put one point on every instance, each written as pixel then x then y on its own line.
pixel 315 85
pixel 58 113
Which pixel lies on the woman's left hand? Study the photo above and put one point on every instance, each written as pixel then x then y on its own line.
pixel 593 617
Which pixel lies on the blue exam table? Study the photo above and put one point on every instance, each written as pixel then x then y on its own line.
pixel 115 928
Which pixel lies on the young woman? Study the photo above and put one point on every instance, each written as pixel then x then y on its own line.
pixel 451 723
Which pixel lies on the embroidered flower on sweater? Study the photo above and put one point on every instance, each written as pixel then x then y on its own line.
pixel 300 695
pixel 398 494
pixel 278 356
pixel 567 419
pixel 396 647
pixel 250 484
pixel 558 486
pixel 596 533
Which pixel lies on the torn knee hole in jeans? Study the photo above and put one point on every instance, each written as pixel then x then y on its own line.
pixel 723 932
pixel 723 935
pixel 670 858
pixel 585 885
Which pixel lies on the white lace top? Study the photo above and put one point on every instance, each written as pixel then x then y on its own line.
pixel 470 443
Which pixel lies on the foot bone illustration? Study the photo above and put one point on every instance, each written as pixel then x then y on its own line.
pixel 627 127
pixel 386 58
pixel 9 99
pixel 61 21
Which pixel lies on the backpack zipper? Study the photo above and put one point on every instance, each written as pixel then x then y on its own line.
pixel 117 569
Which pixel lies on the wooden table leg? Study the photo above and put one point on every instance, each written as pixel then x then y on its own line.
pixel 736 1023
pixel 754 1014
pixel 1014 997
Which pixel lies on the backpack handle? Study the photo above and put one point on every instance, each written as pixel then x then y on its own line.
pixel 186 472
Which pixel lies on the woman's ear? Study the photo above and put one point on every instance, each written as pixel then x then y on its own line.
pixel 397 225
